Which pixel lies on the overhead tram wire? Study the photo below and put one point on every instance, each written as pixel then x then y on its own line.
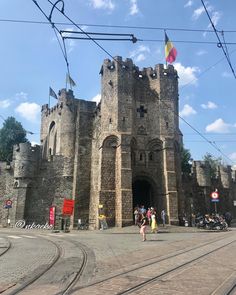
pixel 134 27
pixel 115 26
pixel 64 53
pixel 104 50
pixel 206 70
pixel 220 45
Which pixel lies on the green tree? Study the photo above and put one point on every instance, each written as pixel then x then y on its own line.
pixel 11 133
pixel 213 163
pixel 186 160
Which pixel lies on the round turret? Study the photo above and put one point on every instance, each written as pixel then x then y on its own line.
pixel 26 160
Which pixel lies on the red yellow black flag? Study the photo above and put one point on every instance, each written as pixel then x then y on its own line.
pixel 170 51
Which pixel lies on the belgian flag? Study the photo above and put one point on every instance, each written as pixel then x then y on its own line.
pixel 170 51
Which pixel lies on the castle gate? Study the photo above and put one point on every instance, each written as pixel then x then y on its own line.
pixel 144 192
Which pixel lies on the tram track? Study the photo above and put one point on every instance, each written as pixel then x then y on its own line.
pixel 149 261
pixel 77 276
pixel 125 276
pixel 168 272
pixel 6 248
pixel 28 284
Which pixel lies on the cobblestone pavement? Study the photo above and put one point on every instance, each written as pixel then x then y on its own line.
pixel 115 251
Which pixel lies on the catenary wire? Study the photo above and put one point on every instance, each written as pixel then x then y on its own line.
pixel 218 38
pixel 104 50
pixel 116 26
pixel 64 53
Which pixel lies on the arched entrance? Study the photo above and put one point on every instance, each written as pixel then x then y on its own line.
pixel 143 193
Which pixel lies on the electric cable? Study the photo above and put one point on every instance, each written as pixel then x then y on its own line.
pixel 64 53
pixel 104 50
pixel 218 38
pixel 116 26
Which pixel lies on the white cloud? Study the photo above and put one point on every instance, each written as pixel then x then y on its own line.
pixel 233 158
pixel 216 15
pixel 187 75
pixel 34 143
pixel 29 111
pixel 201 52
pixel 210 105
pixel 134 7
pixel 140 53
pixel 70 42
pixel 140 57
pixel 189 3
pixel 96 98
pixel 219 126
pixel 187 111
pixel 4 104
pixel 198 12
pixel 102 4
pixel 21 96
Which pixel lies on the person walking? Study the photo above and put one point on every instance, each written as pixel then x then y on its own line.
pixel 143 228
pixel 154 222
pixel 136 216
pixel 163 217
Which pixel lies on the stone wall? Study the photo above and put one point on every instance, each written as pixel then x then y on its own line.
pixel 6 192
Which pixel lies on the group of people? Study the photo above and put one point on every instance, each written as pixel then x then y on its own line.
pixel 144 218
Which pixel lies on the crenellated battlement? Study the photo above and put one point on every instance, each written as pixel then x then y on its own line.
pixel 201 171
pixel 225 175
pixel 159 71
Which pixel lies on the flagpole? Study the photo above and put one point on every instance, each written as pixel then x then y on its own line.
pixel 49 99
pixel 165 45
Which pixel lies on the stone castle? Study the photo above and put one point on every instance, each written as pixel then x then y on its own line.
pixel 117 154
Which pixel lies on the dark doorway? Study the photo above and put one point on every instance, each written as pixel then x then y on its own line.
pixel 142 193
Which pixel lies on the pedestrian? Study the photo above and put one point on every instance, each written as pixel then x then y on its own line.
pixel 103 222
pixel 149 213
pixel 136 216
pixel 163 217
pixel 154 222
pixel 228 218
pixel 143 210
pixel 143 228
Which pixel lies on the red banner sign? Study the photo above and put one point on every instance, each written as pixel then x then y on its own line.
pixel 68 207
pixel 52 211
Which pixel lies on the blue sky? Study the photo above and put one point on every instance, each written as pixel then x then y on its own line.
pixel 31 60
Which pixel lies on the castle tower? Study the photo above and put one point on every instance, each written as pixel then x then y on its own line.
pixel 138 138
pixel 26 163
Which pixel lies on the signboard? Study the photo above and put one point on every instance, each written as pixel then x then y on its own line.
pixel 68 207
pixel 215 196
pixel 52 211
pixel 8 204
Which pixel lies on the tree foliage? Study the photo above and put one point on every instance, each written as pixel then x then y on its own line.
pixel 11 133
pixel 186 160
pixel 213 163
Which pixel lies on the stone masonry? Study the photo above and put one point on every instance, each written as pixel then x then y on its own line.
pixel 111 156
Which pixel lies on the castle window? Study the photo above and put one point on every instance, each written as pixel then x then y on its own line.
pixel 150 156
pixel 110 120
pixel 141 111
pixel 167 125
pixel 123 119
pixel 141 157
